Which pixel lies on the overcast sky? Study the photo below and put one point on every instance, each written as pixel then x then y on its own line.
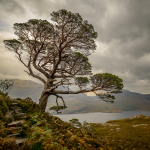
pixel 123 43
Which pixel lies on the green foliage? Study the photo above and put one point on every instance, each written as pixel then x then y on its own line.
pixel 57 107
pixel 8 144
pixel 26 146
pixel 39 134
pixel 7 120
pixel 81 56
pixel 5 103
pixel 23 133
pixel 37 146
pixel 75 18
pixel 54 134
pixel 75 122
pixel 81 81
pixel 80 61
pixel 3 107
pixel 107 80
pixel 3 132
pixel 28 106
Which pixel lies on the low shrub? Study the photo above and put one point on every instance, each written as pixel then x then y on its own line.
pixel 3 107
pixel 5 104
pixel 7 120
pixel 22 133
pixel 26 146
pixel 3 132
pixel 57 107
pixel 8 144
pixel 28 106
pixel 37 146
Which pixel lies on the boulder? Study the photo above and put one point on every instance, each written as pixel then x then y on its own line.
pixel 14 135
pixel 20 141
pixel 16 123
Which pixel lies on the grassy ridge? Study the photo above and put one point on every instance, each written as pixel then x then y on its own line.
pixel 132 133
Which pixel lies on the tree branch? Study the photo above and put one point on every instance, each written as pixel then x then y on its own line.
pixel 38 68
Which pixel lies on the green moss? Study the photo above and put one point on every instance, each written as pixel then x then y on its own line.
pixel 56 107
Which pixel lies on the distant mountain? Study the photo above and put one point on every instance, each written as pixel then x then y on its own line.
pixel 132 101
pixel 26 88
pixel 81 103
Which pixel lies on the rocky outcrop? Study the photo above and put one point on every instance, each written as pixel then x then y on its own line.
pixel 140 116
pixel 17 116
pixel 16 123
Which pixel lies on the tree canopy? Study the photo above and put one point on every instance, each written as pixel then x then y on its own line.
pixel 58 50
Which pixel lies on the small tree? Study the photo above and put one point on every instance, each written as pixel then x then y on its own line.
pixel 58 50
pixel 6 85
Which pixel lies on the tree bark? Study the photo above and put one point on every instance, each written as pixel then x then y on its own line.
pixel 44 96
pixel 43 101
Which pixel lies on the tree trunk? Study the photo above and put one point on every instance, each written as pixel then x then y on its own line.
pixel 44 96
pixel 43 101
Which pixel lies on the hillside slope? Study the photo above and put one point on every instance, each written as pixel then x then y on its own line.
pixel 41 131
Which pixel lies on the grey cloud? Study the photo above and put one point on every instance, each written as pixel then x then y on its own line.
pixel 88 9
pixel 11 7
pixel 116 61
pixel 141 71
pixel 136 48
pixel 131 20
pixel 11 12
pixel 43 8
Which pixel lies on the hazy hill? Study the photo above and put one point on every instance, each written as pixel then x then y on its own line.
pixel 26 88
pixel 81 103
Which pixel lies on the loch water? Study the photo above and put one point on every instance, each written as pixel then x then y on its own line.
pixel 100 117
